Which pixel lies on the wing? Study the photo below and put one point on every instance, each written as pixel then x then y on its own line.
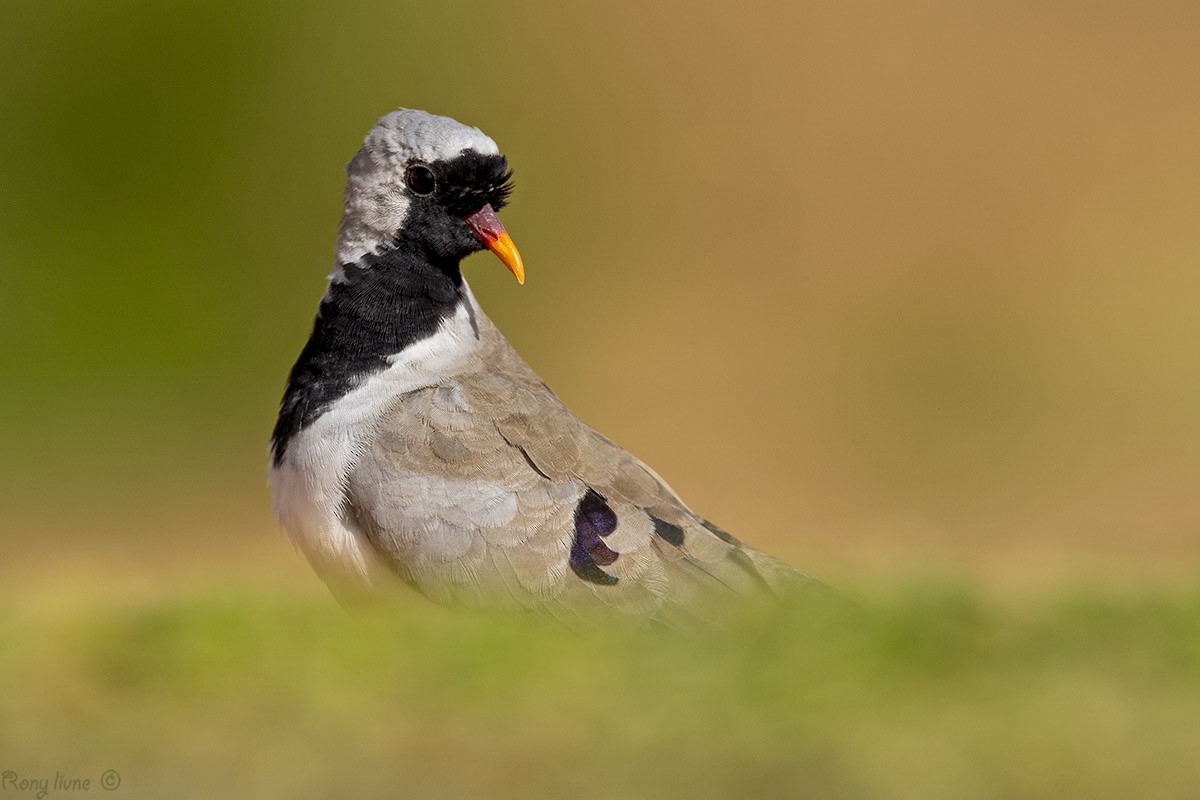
pixel 486 491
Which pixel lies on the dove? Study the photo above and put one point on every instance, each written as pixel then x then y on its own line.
pixel 414 444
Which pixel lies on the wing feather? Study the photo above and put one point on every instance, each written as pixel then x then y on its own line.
pixel 471 491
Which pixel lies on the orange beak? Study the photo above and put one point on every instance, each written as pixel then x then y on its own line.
pixel 487 228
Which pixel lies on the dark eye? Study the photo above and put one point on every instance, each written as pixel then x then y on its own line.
pixel 420 179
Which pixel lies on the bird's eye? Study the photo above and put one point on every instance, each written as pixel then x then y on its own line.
pixel 420 179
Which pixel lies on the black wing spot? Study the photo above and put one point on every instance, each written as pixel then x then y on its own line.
pixel 668 532
pixel 593 519
pixel 593 512
pixel 592 574
pixel 720 534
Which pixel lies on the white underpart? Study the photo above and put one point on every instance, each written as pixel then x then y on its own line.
pixel 308 488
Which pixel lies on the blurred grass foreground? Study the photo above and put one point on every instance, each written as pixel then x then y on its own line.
pixel 919 693
pixel 888 290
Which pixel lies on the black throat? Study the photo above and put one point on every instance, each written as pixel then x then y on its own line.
pixel 385 303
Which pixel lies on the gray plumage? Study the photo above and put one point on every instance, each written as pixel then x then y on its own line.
pixel 459 471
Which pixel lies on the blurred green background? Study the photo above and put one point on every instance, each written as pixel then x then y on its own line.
pixel 906 294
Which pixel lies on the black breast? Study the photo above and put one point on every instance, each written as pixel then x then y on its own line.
pixel 386 303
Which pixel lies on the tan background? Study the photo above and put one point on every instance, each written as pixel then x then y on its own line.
pixel 888 291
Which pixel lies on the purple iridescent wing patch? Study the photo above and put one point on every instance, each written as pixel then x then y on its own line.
pixel 593 521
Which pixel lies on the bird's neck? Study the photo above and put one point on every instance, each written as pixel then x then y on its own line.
pixel 373 312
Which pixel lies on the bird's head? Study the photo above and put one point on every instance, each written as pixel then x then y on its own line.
pixel 431 182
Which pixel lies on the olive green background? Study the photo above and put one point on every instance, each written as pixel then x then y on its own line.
pixel 873 287
pixel 900 292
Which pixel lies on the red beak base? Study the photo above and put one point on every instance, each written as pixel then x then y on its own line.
pixel 487 228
